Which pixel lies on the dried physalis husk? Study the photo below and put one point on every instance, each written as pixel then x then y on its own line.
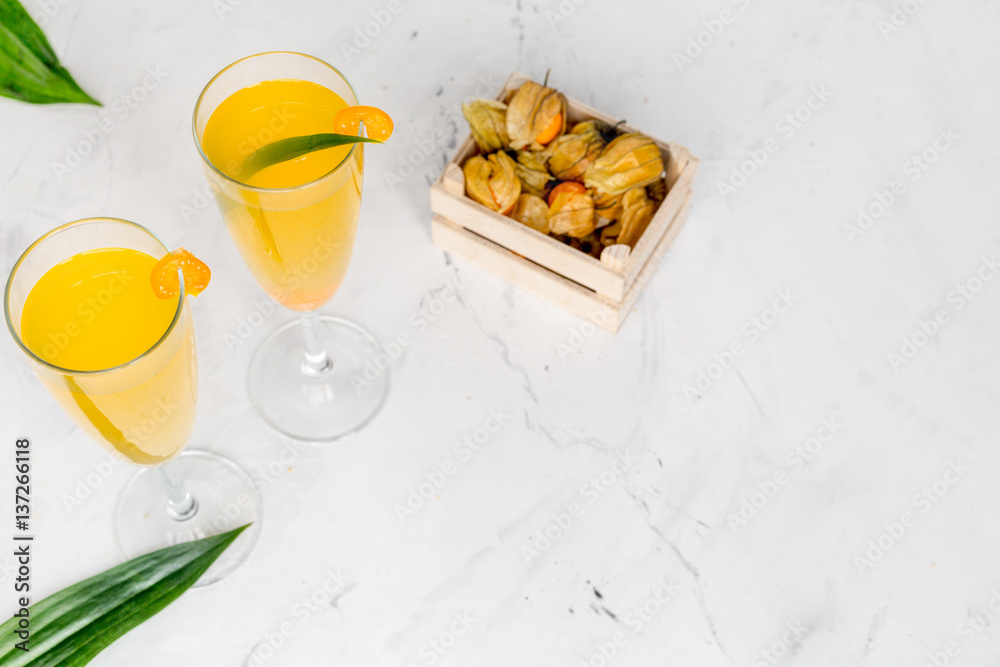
pixel 535 116
pixel 534 160
pixel 533 212
pixel 477 171
pixel 534 176
pixel 630 161
pixel 488 121
pixel 637 211
pixel 657 190
pixel 571 154
pixel 606 132
pixel 609 234
pixel 504 184
pixel 492 181
pixel 608 208
pixel 572 213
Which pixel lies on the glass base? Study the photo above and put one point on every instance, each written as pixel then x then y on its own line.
pixel 226 499
pixel 324 406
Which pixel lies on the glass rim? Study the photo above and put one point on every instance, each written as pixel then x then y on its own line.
pixel 68 371
pixel 256 188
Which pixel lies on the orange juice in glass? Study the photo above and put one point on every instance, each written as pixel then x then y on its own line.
pixel 297 243
pixel 95 310
pixel 120 359
pixel 294 223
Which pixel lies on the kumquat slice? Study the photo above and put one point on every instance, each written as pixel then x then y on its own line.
pixel 377 122
pixel 165 279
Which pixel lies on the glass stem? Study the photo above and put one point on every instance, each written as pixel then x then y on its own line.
pixel 316 362
pixel 181 505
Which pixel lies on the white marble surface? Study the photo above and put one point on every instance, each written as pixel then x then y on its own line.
pixel 784 588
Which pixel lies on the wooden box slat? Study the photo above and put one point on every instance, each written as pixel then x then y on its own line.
pixel 577 299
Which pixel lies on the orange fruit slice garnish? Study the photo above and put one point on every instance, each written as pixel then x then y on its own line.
pixel 377 122
pixel 165 281
pixel 549 133
pixel 567 187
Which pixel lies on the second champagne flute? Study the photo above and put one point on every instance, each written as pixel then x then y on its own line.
pixel 294 223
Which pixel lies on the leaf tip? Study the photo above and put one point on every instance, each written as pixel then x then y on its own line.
pixel 87 99
pixel 235 532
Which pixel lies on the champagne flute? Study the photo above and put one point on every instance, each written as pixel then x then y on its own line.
pixel 318 378
pixel 121 362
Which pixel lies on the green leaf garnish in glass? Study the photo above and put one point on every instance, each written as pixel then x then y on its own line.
pixel 69 628
pixel 284 150
pixel 29 68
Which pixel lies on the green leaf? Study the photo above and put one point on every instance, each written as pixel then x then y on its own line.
pixel 29 68
pixel 111 433
pixel 71 627
pixel 292 147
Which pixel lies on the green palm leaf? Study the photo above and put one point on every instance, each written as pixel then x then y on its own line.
pixel 292 147
pixel 69 628
pixel 29 68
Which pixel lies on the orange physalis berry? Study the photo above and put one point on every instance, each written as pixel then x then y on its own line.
pixel 377 122
pixel 550 133
pixel 166 283
pixel 568 187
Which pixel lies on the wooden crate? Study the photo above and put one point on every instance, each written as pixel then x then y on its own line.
pixel 602 291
